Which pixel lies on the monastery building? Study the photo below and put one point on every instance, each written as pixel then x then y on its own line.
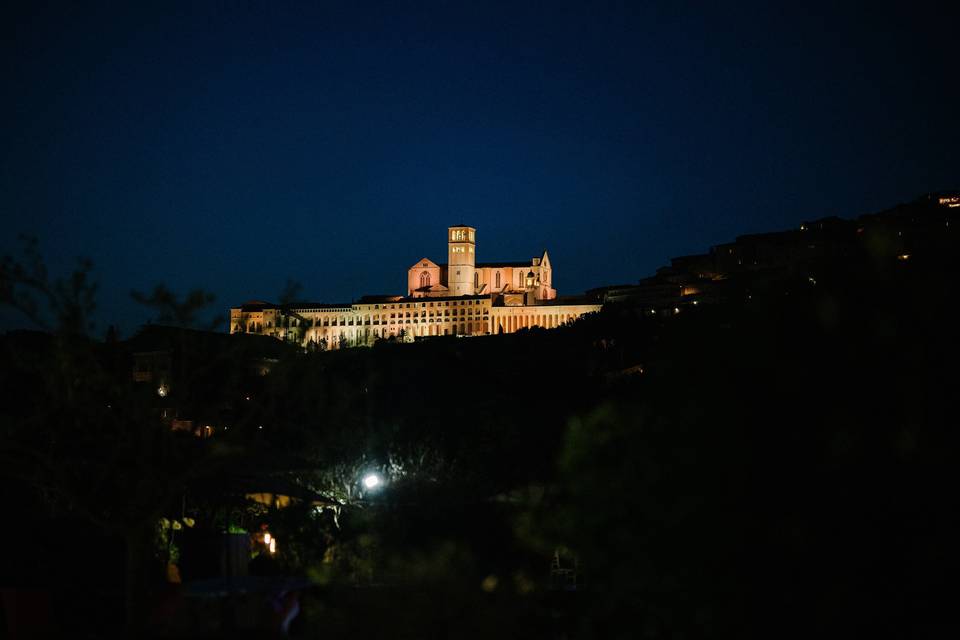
pixel 460 297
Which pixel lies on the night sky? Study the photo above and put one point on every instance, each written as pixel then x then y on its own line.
pixel 234 146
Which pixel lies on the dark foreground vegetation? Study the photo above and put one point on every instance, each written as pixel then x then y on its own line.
pixel 781 463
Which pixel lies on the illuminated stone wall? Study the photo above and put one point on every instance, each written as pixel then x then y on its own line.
pixel 426 278
pixel 414 317
pixel 365 323
pixel 509 319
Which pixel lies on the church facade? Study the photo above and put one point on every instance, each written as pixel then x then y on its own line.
pixel 460 297
pixel 462 275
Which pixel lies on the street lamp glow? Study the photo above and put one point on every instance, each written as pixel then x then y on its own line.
pixel 371 481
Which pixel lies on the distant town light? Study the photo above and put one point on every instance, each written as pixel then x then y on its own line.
pixel 163 390
pixel 950 201
pixel 267 538
pixel 903 256
pixel 273 545
pixel 371 481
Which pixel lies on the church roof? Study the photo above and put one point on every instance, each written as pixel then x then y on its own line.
pixel 494 265
pixel 384 297
pixel 432 287
pixel 257 305
pixel 490 265
pixel 299 306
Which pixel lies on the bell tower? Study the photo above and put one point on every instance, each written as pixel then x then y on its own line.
pixel 461 260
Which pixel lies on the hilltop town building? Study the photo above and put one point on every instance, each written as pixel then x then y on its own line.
pixel 760 262
pixel 460 297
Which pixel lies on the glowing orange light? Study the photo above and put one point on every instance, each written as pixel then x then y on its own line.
pixel 951 201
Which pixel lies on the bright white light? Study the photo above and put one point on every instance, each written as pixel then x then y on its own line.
pixel 273 545
pixel 371 481
pixel 266 538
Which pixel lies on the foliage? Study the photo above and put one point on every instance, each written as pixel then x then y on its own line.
pixel 171 310
pixel 25 285
pixel 715 472
pixel 291 292
pixel 77 432
pixel 768 465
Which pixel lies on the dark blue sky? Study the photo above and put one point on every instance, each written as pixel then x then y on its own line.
pixel 231 146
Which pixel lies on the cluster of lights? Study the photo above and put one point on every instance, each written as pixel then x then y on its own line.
pixel 270 542
pixel 951 201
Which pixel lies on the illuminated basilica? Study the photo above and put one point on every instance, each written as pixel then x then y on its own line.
pixel 460 297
